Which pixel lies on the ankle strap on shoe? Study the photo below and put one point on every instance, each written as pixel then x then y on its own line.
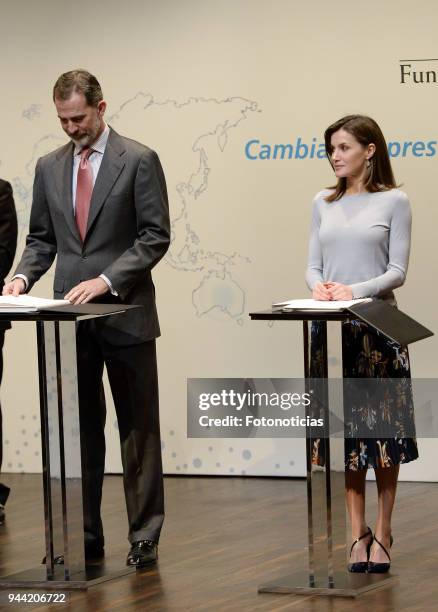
pixel 382 547
pixel 364 535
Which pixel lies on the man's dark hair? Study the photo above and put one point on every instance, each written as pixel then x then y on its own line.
pixel 78 81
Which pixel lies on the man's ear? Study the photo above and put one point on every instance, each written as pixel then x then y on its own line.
pixel 101 108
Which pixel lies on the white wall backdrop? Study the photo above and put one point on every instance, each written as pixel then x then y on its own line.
pixel 197 80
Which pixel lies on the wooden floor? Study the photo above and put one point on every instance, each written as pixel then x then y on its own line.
pixel 222 537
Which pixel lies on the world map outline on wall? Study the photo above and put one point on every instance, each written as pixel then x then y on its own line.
pixel 216 289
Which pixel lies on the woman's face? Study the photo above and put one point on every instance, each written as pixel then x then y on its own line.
pixel 348 156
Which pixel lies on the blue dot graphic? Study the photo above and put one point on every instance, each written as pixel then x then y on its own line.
pixel 197 463
pixel 246 454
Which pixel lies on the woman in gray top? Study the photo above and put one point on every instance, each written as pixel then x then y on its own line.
pixel 359 247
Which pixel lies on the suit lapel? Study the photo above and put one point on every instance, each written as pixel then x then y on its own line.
pixel 63 180
pixel 109 171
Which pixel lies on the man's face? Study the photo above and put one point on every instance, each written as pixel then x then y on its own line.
pixel 81 122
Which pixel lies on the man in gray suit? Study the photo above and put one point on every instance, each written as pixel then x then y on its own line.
pixel 100 205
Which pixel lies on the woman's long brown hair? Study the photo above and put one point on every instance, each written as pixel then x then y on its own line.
pixel 366 131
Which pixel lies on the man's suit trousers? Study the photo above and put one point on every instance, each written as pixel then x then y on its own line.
pixel 132 374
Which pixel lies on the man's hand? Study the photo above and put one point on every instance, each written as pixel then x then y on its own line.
pixel 87 290
pixel 321 292
pixel 338 291
pixel 15 287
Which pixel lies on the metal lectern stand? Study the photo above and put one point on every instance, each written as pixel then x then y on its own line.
pixel 327 567
pixel 61 452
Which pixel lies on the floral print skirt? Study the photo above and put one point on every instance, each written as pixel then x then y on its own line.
pixel 366 353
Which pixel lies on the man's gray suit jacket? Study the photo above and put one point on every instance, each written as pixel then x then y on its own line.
pixel 128 232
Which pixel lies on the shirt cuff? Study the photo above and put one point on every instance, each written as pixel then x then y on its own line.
pixel 23 277
pixel 108 282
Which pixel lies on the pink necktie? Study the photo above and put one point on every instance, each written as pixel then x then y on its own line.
pixel 84 189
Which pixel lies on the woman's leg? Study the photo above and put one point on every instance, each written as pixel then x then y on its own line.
pixel 355 498
pixel 386 488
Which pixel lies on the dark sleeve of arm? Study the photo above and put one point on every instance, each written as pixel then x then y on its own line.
pixel 40 250
pixel 8 229
pixel 153 227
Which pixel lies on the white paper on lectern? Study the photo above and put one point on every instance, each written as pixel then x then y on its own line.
pixel 319 304
pixel 28 303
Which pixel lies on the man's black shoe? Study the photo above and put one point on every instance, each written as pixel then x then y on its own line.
pixel 92 553
pixel 2 514
pixel 142 553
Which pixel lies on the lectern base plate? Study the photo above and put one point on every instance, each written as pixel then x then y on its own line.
pixel 36 577
pixel 345 584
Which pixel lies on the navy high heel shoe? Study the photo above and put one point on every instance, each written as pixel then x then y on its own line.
pixel 380 568
pixel 360 567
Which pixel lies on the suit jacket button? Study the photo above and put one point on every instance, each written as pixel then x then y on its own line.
pixel 84 257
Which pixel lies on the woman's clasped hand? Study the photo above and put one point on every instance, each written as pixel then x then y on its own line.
pixel 332 291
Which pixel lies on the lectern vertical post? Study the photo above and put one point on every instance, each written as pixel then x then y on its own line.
pixel 62 456
pixel 335 471
pixel 61 453
pixel 73 521
pixel 326 573
pixel 325 482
